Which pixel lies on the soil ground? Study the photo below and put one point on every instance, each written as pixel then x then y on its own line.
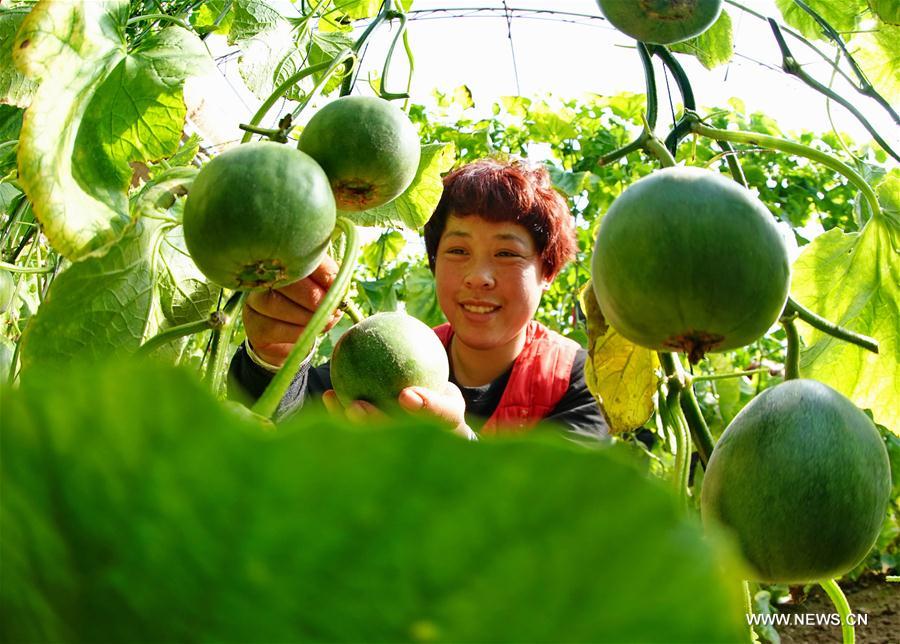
pixel 871 596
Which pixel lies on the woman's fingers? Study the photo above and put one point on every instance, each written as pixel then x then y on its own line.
pixel 357 411
pixel 274 319
pixel 448 405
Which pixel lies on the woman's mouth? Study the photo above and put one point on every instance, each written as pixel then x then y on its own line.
pixel 480 308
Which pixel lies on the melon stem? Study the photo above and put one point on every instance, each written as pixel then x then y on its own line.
pixel 221 342
pixel 792 357
pixel 839 599
pixel 268 402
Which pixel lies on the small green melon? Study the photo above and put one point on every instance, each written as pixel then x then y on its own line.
pixel 367 146
pixel 382 355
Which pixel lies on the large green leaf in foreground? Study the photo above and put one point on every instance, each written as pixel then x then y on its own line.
pixel 135 507
pixel 98 107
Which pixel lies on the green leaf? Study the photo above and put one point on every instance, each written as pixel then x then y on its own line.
pixel 878 54
pixel 886 10
pixel 269 58
pixel 184 292
pixel 103 108
pixel 383 250
pixel 251 17
pixel 713 47
pixel 843 15
pixel 15 88
pixel 381 294
pixel 131 495
pixel 359 9
pixel 242 19
pixel 415 206
pixel 620 374
pixel 96 309
pixel 865 299
pixel 420 296
pixel 213 16
pixel 325 47
pixel 552 125
pixel 10 127
pixel 570 184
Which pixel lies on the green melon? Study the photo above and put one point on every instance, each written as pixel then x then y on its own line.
pixel 688 260
pixel 259 216
pixel 385 353
pixel 661 21
pixel 802 477
pixel 368 148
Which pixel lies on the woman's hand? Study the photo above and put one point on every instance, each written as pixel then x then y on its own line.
pixel 446 405
pixel 274 319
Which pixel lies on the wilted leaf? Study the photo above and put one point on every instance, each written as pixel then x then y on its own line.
pixel 15 88
pixel 104 107
pixel 713 47
pixel 415 206
pixel 130 494
pixel 621 375
pixel 864 298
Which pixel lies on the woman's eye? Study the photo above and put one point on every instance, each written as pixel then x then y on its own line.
pixel 507 253
pixel 455 251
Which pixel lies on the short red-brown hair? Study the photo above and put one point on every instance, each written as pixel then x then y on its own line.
pixel 513 191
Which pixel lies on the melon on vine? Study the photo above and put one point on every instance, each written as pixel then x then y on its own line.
pixel 663 22
pixel 259 216
pixel 688 260
pixel 380 356
pixel 802 478
pixel 368 148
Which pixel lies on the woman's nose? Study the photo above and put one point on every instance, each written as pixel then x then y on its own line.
pixel 479 277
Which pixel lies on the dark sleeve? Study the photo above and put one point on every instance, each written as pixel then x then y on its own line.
pixel 578 410
pixel 247 381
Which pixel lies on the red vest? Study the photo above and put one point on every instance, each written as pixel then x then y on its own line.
pixel 539 379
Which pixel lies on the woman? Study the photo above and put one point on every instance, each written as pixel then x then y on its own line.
pixel 496 240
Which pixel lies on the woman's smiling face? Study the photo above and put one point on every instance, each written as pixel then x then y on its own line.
pixel 489 278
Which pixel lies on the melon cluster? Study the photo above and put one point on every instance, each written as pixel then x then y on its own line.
pixel 261 215
pixel 688 260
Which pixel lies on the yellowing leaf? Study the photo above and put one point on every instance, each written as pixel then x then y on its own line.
pixel 621 375
pixel 853 280
pixel 101 108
